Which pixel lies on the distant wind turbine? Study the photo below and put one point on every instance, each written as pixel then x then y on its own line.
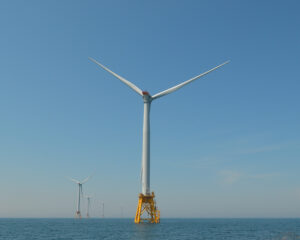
pixel 146 200
pixel 103 210
pixel 80 192
pixel 88 206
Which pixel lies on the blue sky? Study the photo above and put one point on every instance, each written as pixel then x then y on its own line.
pixel 226 145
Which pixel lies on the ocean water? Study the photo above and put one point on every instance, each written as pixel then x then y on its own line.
pixel 116 229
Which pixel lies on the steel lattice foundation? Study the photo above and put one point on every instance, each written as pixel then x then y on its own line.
pixel 147 207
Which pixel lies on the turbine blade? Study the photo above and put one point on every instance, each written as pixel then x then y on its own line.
pixel 73 180
pixel 129 84
pixel 172 89
pixel 85 180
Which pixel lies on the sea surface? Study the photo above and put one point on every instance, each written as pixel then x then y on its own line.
pixel 116 229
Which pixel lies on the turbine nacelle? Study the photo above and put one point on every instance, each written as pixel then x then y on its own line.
pixel 147 97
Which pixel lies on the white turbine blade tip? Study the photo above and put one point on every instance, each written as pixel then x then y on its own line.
pixel 92 59
pixel 228 61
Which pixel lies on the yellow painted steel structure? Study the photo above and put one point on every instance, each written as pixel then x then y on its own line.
pixel 147 206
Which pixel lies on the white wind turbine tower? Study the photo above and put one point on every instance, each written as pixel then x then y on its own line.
pixel 146 199
pixel 88 206
pixel 80 192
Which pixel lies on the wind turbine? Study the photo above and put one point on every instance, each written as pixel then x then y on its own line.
pixel 103 210
pixel 80 192
pixel 146 199
pixel 88 205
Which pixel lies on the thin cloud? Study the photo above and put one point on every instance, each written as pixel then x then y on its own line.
pixel 264 176
pixel 230 177
pixel 269 148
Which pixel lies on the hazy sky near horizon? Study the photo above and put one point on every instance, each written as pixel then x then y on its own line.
pixel 227 145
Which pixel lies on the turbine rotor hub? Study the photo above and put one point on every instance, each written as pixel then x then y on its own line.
pixel 147 97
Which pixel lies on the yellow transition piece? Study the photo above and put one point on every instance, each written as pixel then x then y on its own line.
pixel 147 206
